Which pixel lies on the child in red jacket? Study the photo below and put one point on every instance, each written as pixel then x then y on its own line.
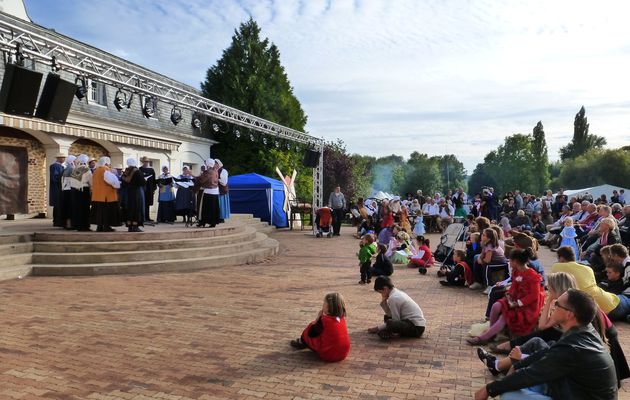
pixel 327 335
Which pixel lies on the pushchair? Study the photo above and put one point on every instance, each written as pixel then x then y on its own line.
pixel 323 221
pixel 444 252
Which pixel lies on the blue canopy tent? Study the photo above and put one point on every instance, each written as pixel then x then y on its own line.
pixel 258 195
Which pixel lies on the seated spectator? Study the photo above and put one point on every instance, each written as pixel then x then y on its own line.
pixel 520 308
pixel 538 228
pixel 403 316
pixel 624 226
pixel 559 283
pixel 422 258
pixel 393 243
pixel 614 279
pixel 521 222
pixel 491 254
pixel 509 208
pixel 607 235
pixel 578 366
pixel 506 228
pixel 617 211
pixel 403 218
pixel 403 250
pixel 382 265
pixel 445 215
pixel 458 275
pixel 327 335
pixel 616 306
pixel 415 208
pixel 366 226
pixel 500 236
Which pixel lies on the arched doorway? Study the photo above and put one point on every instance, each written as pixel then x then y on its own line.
pixel 22 173
pixel 88 147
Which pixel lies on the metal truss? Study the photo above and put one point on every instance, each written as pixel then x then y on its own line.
pixel 19 39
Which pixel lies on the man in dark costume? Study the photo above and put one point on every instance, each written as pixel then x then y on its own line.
pixel 54 189
pixel 150 186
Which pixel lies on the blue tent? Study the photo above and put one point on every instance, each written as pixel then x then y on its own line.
pixel 258 195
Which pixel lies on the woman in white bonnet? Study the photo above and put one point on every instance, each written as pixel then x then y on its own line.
pixel 133 187
pixel 224 194
pixel 105 207
pixel 208 183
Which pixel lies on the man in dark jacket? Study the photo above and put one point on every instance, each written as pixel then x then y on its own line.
pixel 578 366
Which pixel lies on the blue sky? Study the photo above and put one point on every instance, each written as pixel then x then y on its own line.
pixel 396 76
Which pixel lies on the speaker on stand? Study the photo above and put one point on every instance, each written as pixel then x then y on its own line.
pixel 311 158
pixel 56 99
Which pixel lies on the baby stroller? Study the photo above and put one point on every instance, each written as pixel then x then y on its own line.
pixel 444 252
pixel 323 221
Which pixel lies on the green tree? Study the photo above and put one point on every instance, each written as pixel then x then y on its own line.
pixel 582 141
pixel 541 176
pixel 452 172
pixel 480 178
pixel 362 174
pixel 388 173
pixel 250 77
pixel 594 168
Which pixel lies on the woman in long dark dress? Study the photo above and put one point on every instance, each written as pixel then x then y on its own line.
pixel 166 197
pixel 133 181
pixel 185 198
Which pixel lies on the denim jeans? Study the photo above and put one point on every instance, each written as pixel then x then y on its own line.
pixel 532 393
pixel 622 310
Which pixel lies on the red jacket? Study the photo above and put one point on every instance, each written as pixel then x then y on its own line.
pixel 527 290
pixel 331 341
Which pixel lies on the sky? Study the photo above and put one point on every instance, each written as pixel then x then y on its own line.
pixel 396 76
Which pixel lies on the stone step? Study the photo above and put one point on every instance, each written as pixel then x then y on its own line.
pixel 11 239
pixel 16 248
pixel 15 260
pixel 268 248
pixel 122 235
pixel 247 234
pixel 181 253
pixel 15 272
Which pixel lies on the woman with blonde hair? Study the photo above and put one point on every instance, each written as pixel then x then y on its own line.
pixel 327 335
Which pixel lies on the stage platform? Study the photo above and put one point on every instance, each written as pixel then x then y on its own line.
pixel 35 247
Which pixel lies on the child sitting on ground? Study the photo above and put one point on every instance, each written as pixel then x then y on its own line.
pixel 613 282
pixel 403 251
pixel 366 226
pixel 367 249
pixel 327 335
pixel 382 265
pixel 423 257
pixel 458 275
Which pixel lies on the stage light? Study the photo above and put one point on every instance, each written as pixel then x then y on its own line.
pixel 150 106
pixel 237 133
pixel 196 121
pixel 176 115
pixel 216 127
pixel 252 137
pixel 276 143
pixel 264 140
pixel 288 145
pixel 120 100
pixel 81 89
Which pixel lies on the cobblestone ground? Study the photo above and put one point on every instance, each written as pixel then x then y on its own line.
pixel 224 333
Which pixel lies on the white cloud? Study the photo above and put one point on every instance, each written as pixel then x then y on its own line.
pixel 397 76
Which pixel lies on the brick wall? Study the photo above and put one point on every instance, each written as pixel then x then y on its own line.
pixel 89 148
pixel 37 185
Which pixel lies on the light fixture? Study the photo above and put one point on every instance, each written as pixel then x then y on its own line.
pixel 252 137
pixel 264 140
pixel 288 145
pixel 237 133
pixel 216 127
pixel 276 143
pixel 176 115
pixel 81 88
pixel 195 121
pixel 149 109
pixel 120 100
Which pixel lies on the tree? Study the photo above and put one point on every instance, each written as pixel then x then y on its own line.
pixel 339 167
pixel 594 168
pixel 582 141
pixel 249 76
pixel 541 176
pixel 388 173
pixel 362 174
pixel 480 178
pixel 452 172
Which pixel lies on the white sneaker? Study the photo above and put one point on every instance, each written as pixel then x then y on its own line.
pixel 475 286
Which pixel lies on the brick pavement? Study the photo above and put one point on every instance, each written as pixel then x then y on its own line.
pixel 224 333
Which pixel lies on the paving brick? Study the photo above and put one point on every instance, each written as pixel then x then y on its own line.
pixel 224 333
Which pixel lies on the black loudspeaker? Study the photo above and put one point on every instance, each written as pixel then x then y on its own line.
pixel 20 87
pixel 56 99
pixel 311 158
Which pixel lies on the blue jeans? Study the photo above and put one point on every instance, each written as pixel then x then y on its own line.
pixel 532 393
pixel 622 310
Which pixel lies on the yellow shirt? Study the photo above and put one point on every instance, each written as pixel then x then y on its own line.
pixel 585 279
